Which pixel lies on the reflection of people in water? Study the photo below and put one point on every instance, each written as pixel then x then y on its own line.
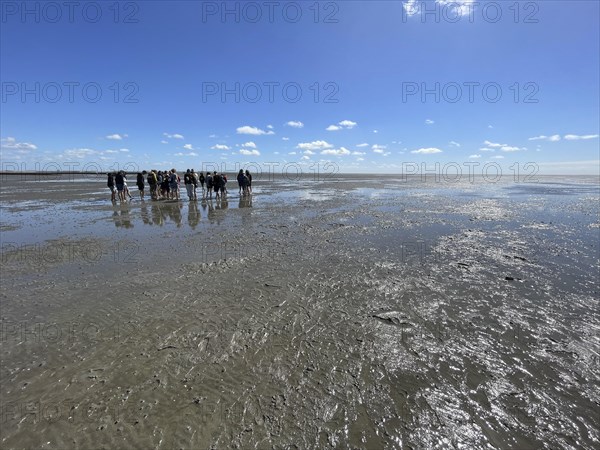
pixel 211 211
pixel 145 215
pixel 122 219
pixel 157 217
pixel 193 214
pixel 174 211
pixel 245 202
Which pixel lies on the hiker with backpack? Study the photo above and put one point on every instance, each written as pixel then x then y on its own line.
pixel 140 183
pixel 153 183
pixel 209 185
pixel 174 184
pixel 189 185
pixel 110 183
pixel 201 180
pixel 195 184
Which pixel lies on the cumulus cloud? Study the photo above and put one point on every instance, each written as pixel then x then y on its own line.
pixel 427 151
pixel 314 145
pixel 344 124
pixel 253 131
pixel 285 138
pixel 308 152
pixel 359 153
pixel 249 145
pixel 173 136
pixel 493 144
pixel 553 138
pixel 575 137
pixel 348 124
pixel 220 147
pixel 295 124
pixel 485 149
pixel 270 127
pixel 249 152
pixel 116 137
pixel 364 144
pixel 429 122
pixel 342 151
pixel 188 147
pixel 12 144
pixel 508 148
pixel 378 148
pixel 475 156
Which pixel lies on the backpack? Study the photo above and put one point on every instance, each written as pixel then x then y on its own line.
pixel 173 178
pixel 151 178
pixel 110 182
pixel 186 179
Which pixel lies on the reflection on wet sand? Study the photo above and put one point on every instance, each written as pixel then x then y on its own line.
pixel 121 217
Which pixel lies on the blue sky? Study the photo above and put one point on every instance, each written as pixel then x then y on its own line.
pixel 368 86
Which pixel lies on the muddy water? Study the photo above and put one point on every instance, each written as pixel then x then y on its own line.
pixel 347 313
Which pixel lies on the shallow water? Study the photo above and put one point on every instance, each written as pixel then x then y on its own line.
pixel 356 312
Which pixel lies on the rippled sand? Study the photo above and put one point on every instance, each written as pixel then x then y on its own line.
pixel 346 313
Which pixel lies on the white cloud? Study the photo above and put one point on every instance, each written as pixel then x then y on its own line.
pixel 124 150
pixel 489 126
pixel 493 144
pixel 295 124
pixel 554 138
pixel 342 151
pixel 249 145
pixel 308 152
pixel 378 148
pixel 270 127
pixel 163 142
pixel 285 138
pixel 427 151
pixel 456 8
pixel 359 153
pixel 220 147
pixel 364 144
pixel 12 144
pixel 485 149
pixel 253 131
pixel 291 153
pixel 212 136
pixel 116 137
pixel 360 159
pixel 315 145
pixel 454 144
pixel 498 157
pixel 508 148
pixel 429 122
pixel 249 152
pixel 188 147
pixel 475 156
pixel 173 136
pixel 575 137
pixel 305 157
pixel 79 152
pixel 411 7
pixel 111 151
pixel 348 124
pixel 190 154
pixel 375 131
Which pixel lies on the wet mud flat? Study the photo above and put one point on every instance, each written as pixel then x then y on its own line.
pixel 338 313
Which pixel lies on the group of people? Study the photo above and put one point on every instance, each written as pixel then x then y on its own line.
pixel 166 184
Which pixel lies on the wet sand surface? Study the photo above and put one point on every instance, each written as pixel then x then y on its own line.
pixel 341 313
